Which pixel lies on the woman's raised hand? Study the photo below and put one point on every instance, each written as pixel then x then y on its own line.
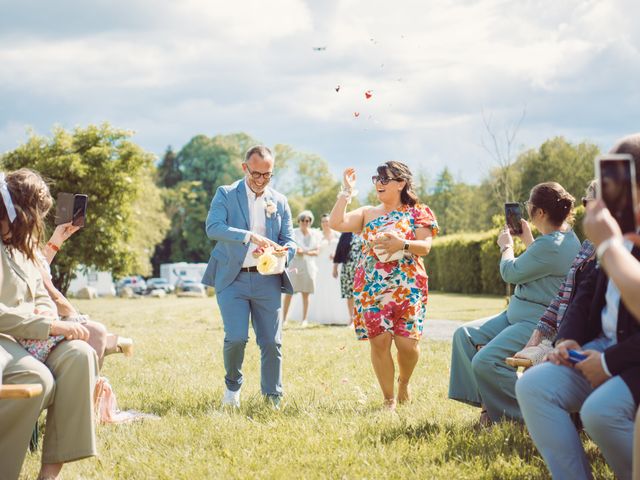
pixel 62 233
pixel 526 236
pixel 349 179
pixel 505 238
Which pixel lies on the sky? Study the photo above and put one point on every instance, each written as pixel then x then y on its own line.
pixel 437 70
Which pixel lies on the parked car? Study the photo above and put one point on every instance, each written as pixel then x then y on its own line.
pixel 190 288
pixel 135 283
pixel 161 284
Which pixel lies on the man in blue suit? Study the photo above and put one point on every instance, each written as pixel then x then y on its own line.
pixel 242 217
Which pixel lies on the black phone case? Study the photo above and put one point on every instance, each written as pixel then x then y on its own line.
pixel 514 226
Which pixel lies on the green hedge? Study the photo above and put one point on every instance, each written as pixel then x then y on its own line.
pixel 467 263
pixel 470 262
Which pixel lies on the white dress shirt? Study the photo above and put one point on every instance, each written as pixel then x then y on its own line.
pixel 257 224
pixel 609 316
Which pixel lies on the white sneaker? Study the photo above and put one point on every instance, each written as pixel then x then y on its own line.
pixel 231 398
pixel 304 324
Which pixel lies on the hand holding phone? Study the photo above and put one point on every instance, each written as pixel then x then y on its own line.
pixel 71 208
pixel 617 188
pixel 513 214
pixel 576 357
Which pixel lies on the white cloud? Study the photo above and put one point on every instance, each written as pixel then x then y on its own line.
pixel 170 70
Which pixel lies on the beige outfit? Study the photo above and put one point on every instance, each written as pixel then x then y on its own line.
pixel 303 268
pixel 68 377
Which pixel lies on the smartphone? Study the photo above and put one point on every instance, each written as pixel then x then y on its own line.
pixel 513 213
pixel 79 210
pixel 71 208
pixel 616 174
pixel 576 357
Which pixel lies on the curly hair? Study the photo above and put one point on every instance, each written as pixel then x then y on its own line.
pixel 396 169
pixel 32 201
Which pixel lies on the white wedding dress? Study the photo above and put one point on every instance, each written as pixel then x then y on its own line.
pixel 325 305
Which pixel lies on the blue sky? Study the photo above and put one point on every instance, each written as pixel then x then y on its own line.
pixel 171 70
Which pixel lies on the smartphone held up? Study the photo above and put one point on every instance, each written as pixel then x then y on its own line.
pixel 71 207
pixel 513 214
pixel 617 179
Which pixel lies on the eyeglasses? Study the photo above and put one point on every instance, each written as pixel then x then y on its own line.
pixel 384 180
pixel 586 200
pixel 257 175
pixel 305 220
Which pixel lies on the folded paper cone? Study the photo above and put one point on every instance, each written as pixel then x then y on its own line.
pixel 383 257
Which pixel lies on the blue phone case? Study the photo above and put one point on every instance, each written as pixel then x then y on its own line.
pixel 576 357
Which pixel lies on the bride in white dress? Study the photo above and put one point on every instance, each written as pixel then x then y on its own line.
pixel 326 305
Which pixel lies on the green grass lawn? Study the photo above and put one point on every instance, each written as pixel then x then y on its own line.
pixel 330 426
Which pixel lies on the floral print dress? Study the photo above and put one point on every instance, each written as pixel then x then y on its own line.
pixel 392 296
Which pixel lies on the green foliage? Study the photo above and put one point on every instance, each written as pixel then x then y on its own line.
pixel 169 169
pixel 467 263
pixel 560 161
pixel 201 166
pixel 124 215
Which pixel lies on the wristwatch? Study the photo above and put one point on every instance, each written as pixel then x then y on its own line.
pixel 405 247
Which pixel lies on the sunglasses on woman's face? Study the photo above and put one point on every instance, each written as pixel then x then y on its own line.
pixel 305 220
pixel 383 180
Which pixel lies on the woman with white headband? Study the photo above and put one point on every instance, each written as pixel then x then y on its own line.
pixel 69 373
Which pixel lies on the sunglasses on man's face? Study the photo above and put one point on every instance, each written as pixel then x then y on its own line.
pixel 305 220
pixel 383 180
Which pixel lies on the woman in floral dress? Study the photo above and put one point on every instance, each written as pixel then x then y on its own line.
pixel 390 285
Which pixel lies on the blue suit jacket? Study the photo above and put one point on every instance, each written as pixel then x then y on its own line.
pixel 228 224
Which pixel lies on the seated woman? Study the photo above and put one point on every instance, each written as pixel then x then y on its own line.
pixel 103 343
pixel 482 376
pixel 545 333
pixel 26 311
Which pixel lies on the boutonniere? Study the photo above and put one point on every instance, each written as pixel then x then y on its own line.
pixel 269 207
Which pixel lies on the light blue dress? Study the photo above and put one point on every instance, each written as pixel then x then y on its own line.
pixel 482 376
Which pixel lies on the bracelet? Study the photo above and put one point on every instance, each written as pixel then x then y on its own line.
pixel 346 194
pixel 505 248
pixel 53 246
pixel 604 246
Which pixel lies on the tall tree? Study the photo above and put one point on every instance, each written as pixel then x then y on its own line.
pixel 561 161
pixel 442 198
pixel 124 215
pixel 169 169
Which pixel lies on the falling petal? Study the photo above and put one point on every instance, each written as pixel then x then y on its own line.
pixel 338 88
pixel 356 114
pixel 368 94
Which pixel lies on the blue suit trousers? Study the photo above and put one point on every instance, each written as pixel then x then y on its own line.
pixel 254 297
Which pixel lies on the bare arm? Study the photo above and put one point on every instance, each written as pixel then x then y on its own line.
pixel 619 264
pixel 59 236
pixel 342 221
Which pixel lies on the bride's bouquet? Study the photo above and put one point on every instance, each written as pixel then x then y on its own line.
pixel 268 262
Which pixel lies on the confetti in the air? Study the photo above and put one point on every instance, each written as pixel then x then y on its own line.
pixel 356 114
pixel 338 88
pixel 368 94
